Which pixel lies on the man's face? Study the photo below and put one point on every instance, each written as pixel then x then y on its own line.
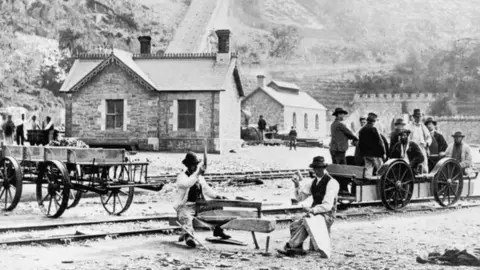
pixel 363 123
pixel 404 137
pixel 340 116
pixel 458 139
pixel 431 126
pixel 319 171
pixel 192 167
pixel 400 126
pixel 9 118
pixel 417 118
pixel 34 118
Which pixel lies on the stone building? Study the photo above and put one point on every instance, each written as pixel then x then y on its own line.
pixel 283 104
pixel 168 102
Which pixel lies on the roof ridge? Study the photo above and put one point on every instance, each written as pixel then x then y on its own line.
pixel 178 55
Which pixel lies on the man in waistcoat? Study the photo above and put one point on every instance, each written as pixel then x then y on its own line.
pixel 324 190
pixel 439 144
pixel 192 187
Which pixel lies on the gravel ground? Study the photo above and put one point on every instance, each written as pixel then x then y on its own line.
pixel 382 243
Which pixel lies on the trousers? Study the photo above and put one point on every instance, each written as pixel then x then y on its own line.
pixel 186 214
pixel 293 143
pixel 299 233
pixel 338 157
pixel 372 163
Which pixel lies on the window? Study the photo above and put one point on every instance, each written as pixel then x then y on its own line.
pixel 294 119
pixel 305 119
pixel 317 122
pixel 186 114
pixel 115 114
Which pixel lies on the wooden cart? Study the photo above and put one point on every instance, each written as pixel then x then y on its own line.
pixel 62 174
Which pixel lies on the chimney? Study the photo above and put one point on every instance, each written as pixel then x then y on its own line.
pixel 261 81
pixel 223 40
pixel 145 44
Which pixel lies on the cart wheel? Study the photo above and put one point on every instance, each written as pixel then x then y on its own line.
pixel 10 183
pixel 53 188
pixel 396 184
pixel 75 195
pixel 117 200
pixel 447 183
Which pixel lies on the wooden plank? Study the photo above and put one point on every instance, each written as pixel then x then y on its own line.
pixel 230 203
pixel 114 155
pixel 56 153
pixel 34 153
pixel 251 224
pixel 346 170
pixel 216 218
pixel 85 155
pixel 228 213
pixel 14 151
pixel 318 232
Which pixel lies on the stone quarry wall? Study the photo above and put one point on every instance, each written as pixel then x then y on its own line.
pixel 470 126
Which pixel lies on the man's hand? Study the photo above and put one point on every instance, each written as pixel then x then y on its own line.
pixel 310 212
pixel 296 181
pixel 201 169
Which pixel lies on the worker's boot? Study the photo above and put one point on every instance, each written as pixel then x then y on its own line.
pixel 190 241
pixel 218 232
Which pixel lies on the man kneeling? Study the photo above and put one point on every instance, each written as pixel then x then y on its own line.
pixel 192 187
pixel 324 190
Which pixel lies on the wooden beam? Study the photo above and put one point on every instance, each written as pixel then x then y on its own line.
pixel 228 213
pixel 251 224
pixel 230 203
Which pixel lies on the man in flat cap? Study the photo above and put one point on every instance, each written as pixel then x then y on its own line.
pixel 192 187
pixel 420 135
pixel 372 147
pixel 408 151
pixel 324 190
pixel 340 136
pixel 461 152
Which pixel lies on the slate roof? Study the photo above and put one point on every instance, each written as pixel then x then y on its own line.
pixel 170 72
pixel 301 100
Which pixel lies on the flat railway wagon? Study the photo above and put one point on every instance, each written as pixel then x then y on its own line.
pixel 396 184
pixel 63 174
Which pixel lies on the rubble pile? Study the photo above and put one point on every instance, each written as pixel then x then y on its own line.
pixel 68 142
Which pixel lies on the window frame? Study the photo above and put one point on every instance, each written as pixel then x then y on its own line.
pixel 305 121
pixel 116 114
pixel 190 116
pixel 294 119
pixel 317 122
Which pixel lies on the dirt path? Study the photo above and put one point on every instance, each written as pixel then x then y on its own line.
pixel 387 243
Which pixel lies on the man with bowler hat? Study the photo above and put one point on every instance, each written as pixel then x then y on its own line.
pixel 420 135
pixel 340 136
pixel 439 145
pixel 324 190
pixel 461 152
pixel 371 145
pixel 192 187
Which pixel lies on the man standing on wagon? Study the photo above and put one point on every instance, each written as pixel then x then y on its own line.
pixel 324 190
pixel 340 136
pixel 372 146
pixel 421 136
pixel 192 187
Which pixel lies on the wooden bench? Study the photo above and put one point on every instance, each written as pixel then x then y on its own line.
pixel 241 220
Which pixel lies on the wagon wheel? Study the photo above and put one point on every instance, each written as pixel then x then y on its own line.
pixel 75 195
pixel 10 183
pixel 396 184
pixel 447 183
pixel 117 200
pixel 53 188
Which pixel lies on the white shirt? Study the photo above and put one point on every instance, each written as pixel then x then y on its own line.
pixel 330 195
pixel 49 125
pixel 419 134
pixel 33 125
pixel 184 183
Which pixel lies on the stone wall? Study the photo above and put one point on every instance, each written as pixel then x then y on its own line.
pixel 470 126
pixel 311 131
pixel 262 104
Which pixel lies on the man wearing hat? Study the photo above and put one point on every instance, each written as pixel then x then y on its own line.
pixel 340 136
pixel 394 136
pixel 262 125
pixel 192 187
pixel 324 190
pixel 371 145
pixel 461 152
pixel 420 135
pixel 439 145
pixel 358 160
pixel 408 151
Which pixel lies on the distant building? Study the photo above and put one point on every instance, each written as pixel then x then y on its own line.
pixel 171 102
pixel 283 104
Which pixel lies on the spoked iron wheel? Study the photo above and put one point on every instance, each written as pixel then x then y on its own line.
pixel 117 200
pixel 396 184
pixel 10 183
pixel 447 183
pixel 75 195
pixel 53 189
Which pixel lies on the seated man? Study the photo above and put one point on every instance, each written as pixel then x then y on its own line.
pixel 409 151
pixel 324 190
pixel 461 152
pixel 192 187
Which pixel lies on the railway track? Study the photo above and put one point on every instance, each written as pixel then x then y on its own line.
pixel 282 215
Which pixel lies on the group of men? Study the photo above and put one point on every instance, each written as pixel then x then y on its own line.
pixel 12 132
pixel 414 142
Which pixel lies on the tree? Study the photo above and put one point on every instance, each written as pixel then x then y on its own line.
pixel 285 41
pixel 441 107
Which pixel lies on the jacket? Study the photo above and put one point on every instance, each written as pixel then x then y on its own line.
pixel 370 142
pixel 292 133
pixel 262 124
pixel 387 147
pixel 414 154
pixel 340 136
pixel 442 144
pixel 394 138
